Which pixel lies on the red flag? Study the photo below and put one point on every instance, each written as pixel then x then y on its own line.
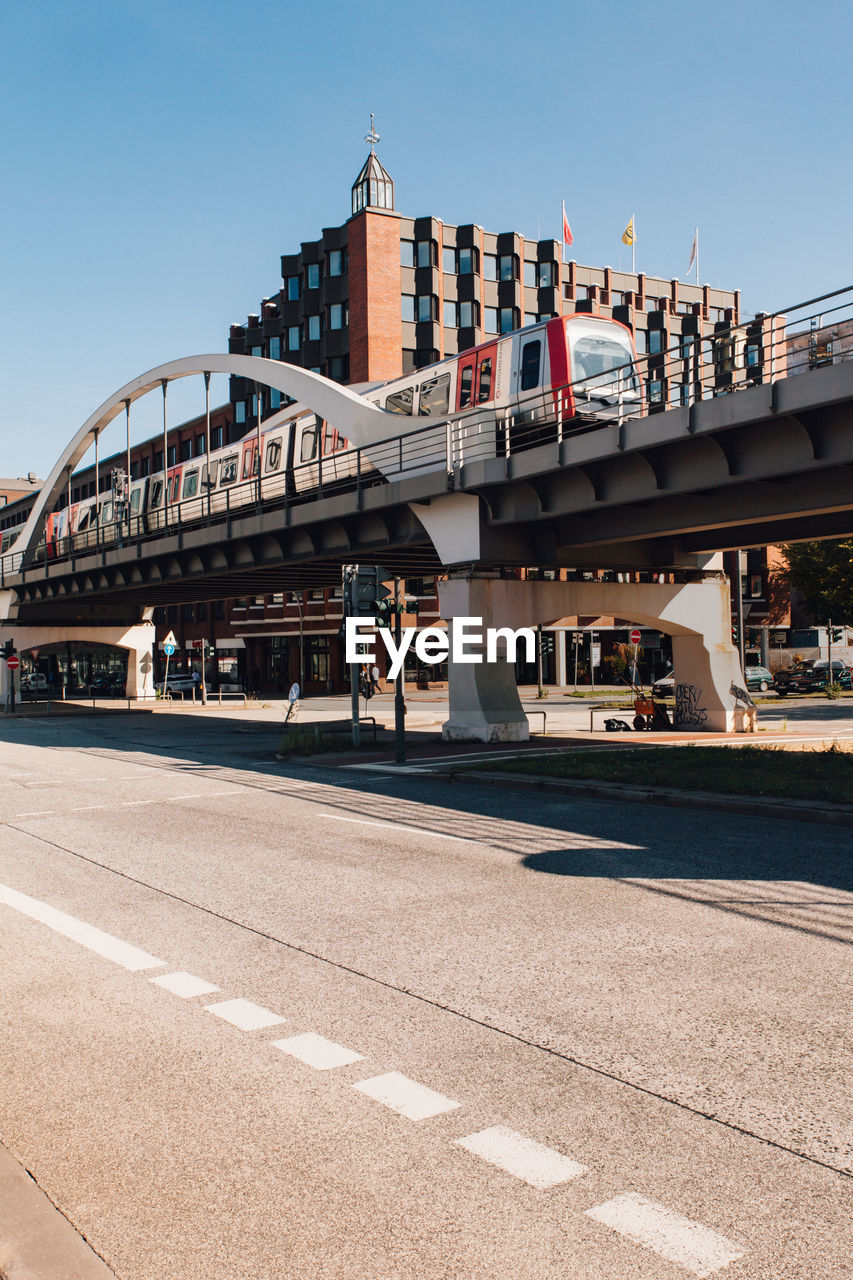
pixel 568 238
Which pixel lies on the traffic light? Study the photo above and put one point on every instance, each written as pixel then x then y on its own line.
pixel 366 594
pixel 837 633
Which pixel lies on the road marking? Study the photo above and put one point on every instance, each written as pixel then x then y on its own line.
pixel 406 1097
pixel 394 826
pixel 534 1163
pixel 244 1014
pixel 185 985
pixel 317 1051
pixel 698 1249
pixel 36 813
pixel 81 808
pixel 103 944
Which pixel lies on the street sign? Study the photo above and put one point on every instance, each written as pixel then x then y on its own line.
pixel 13 662
pixel 170 639
pixel 293 696
pixel 168 649
pixel 197 644
pixel 636 636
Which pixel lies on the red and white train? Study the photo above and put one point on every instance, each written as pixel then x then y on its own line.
pixel 503 396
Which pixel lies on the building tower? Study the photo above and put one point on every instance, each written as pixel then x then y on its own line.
pixel 373 188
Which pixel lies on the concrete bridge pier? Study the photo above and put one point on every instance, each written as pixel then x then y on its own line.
pixel 484 701
pixel 137 640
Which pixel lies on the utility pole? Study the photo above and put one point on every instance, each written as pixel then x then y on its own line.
pixel 350 611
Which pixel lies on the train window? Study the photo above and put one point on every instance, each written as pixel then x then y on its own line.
pixel 156 493
pixel 228 474
pixel 135 498
pixel 274 454
pixel 209 483
pixel 190 488
pixel 401 401
pixel 484 386
pixel 250 462
pixel 174 486
pixel 465 380
pixel 530 354
pixel 308 448
pixel 106 512
pixel 435 397
pixel 83 522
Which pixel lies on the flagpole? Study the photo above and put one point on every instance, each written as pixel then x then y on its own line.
pixel 697 256
pixel 633 246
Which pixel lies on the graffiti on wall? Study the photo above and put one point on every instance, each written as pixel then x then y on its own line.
pixel 688 712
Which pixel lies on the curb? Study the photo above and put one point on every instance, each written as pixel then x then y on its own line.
pixel 753 807
pixel 37 1241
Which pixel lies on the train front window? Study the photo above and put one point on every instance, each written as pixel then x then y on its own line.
pixel 530 355
pixel 435 397
pixel 603 360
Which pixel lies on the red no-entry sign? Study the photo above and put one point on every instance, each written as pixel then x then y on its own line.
pixel 635 636
pixel 13 662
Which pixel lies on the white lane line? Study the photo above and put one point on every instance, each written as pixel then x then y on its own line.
pixel 82 808
pixel 103 944
pixel 317 1051
pixel 36 813
pixel 244 1014
pixel 406 1097
pixel 534 1163
pixel 185 985
pixel 394 826
pixel 698 1249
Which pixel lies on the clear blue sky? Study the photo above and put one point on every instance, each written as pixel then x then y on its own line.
pixel 159 157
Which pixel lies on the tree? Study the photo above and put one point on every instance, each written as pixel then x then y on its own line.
pixel 822 575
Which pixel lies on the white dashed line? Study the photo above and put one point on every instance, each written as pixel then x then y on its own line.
pixel 317 1051
pixel 698 1249
pixel 82 808
pixel 38 813
pixel 534 1163
pixel 103 944
pixel 406 1097
pixel 185 985
pixel 394 826
pixel 244 1014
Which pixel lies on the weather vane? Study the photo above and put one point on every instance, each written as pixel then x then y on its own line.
pixel 373 136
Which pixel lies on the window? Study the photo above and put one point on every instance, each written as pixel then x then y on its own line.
pixel 451 315
pixel 313 328
pixel 484 386
pixel 275 398
pixel 338 315
pixel 216 440
pixel 467 315
pixel 530 354
pixel 190 488
pixel 312 275
pixel 273 461
pixel 448 261
pixel 407 307
pixel 292 288
pixel 529 317
pixel 407 253
pixel 656 341
pixel 530 275
pixel 171 456
pixel 208 479
pixel 435 397
pixel 508 267
pixel 546 275
pixel 467 261
pixel 308 447
pixel 425 356
pixel 293 337
pixel 316 658
pixel 401 401
pixel 228 474
pixel 508 319
pixel 106 512
pixel 256 351
pixel 250 462
pixel 426 307
pixel 158 459
pixel 426 253
pixel 275 348
pixel 134 501
pixel 490 267
pixel 240 411
pixel 466 378
pixel 491 320
pixel 656 392
pixel 686 345
pixel 338 368
pixel 174 486
pixel 336 262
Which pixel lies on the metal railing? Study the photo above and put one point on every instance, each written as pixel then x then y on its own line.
pixel 700 366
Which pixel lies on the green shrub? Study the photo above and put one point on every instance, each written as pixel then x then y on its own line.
pixel 833 691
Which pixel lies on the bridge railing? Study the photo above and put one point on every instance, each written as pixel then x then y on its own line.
pixel 698 366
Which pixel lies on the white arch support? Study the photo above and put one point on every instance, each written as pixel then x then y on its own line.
pixel 356 419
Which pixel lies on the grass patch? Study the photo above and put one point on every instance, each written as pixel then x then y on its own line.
pixel 308 740
pixel 746 771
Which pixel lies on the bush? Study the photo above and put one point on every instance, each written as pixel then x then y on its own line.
pixel 833 691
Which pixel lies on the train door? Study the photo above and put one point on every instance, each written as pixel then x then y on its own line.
pixel 173 492
pixel 305 452
pixel 530 379
pixel 465 381
pixel 249 465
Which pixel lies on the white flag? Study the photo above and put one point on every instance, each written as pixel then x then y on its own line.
pixel 694 249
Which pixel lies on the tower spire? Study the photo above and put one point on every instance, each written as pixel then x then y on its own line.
pixel 372 137
pixel 373 188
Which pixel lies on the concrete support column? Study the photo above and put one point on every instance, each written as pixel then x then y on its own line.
pixel 483 696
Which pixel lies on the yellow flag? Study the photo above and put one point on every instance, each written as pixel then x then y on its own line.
pixel 628 233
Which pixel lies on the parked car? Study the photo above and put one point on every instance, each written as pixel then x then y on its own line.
pixel 34 682
pixel 811 677
pixel 110 686
pixel 758 678
pixel 181 683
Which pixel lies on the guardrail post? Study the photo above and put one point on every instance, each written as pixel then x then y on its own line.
pixel 358 494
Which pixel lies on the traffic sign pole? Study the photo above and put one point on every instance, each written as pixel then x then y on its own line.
pixel 12 664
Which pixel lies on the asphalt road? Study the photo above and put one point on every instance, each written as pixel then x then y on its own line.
pixel 477 1034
